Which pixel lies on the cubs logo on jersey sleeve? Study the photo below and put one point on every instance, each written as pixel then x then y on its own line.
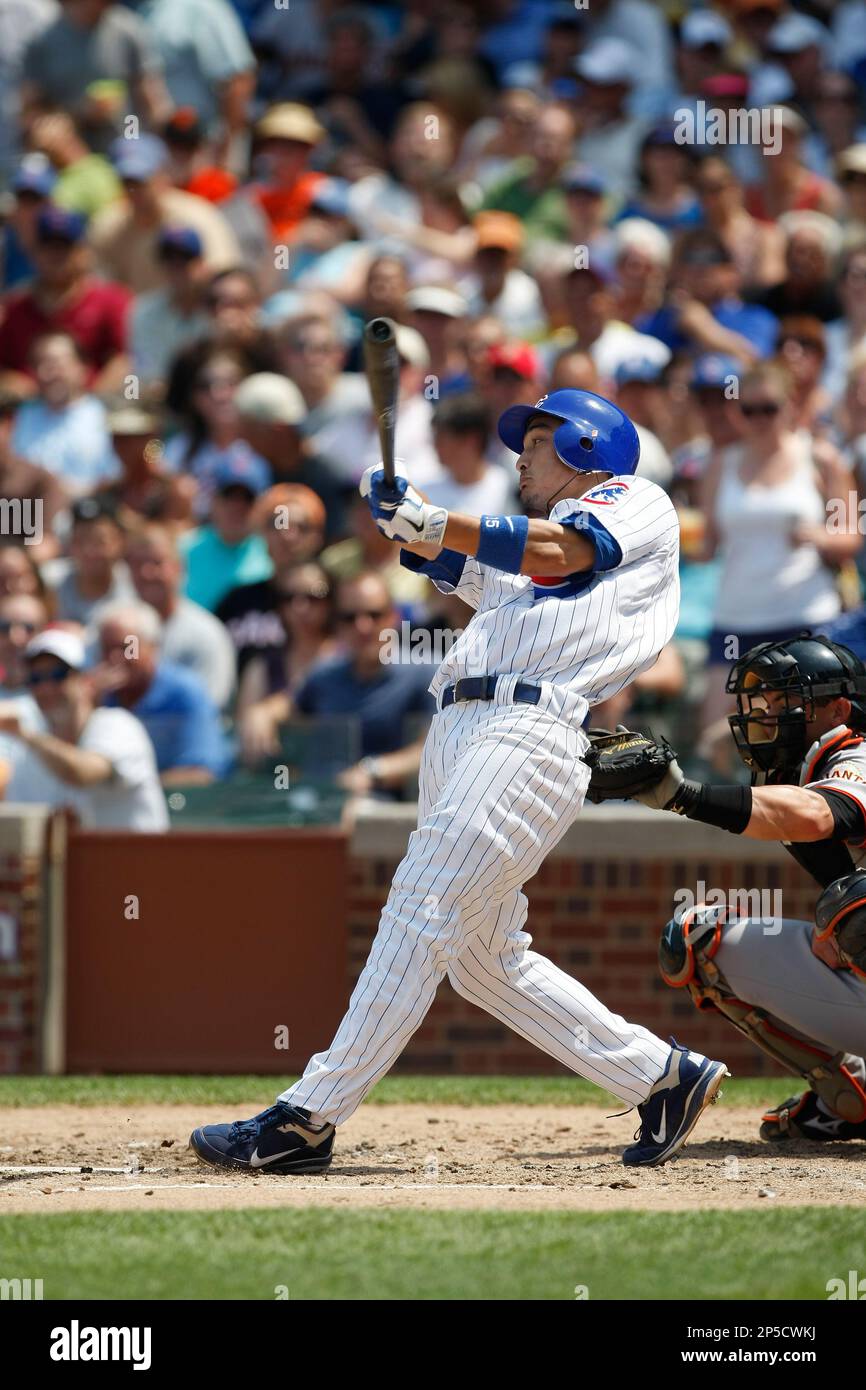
pixel 606 494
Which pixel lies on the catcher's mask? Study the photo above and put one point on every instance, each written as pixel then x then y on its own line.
pixel 778 686
pixel 841 913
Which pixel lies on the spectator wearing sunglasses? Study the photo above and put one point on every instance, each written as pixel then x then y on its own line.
pixel 765 500
pixel 169 318
pixel 386 699
pixel 803 349
pixel 101 759
pixel 304 606
pixel 381 699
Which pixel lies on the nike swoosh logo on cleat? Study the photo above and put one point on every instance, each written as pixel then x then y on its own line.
pixel 256 1162
pixel 660 1137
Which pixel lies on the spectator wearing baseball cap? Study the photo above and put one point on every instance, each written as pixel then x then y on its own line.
pixel 64 297
pixel 166 320
pixel 496 284
pixel 31 187
pixel 272 412
pixel 95 572
pixel 102 759
pixel 531 188
pixel 511 375
pixel 285 139
pixel 638 392
pixel 85 181
pixel 227 552
pixel 585 192
pixel 125 235
pixel 439 313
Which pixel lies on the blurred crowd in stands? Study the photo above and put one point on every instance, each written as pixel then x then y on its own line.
pixel 202 204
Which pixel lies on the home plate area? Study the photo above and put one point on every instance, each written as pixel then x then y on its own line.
pixel 86 1158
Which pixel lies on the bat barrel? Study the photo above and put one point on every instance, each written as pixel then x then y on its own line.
pixel 382 368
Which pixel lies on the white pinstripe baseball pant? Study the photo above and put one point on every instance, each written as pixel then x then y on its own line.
pixel 499 786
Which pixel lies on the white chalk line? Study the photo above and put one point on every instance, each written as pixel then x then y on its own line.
pixel 331 1187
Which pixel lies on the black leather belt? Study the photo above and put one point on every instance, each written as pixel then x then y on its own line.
pixel 484 688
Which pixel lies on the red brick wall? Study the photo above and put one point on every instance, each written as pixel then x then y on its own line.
pixel 600 920
pixel 21 974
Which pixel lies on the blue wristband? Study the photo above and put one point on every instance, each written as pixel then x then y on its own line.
pixel 502 542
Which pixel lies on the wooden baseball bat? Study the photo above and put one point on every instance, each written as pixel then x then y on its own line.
pixel 382 369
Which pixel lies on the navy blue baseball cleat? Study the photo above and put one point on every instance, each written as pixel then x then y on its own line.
pixel 279 1140
pixel 674 1106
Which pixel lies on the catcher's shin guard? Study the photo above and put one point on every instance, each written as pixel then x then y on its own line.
pixel 686 950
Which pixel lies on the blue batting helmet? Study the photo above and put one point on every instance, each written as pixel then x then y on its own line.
pixel 595 435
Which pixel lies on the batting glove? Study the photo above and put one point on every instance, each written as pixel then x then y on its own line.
pixel 400 512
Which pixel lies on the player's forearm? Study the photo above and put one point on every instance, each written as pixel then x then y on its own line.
pixel 794 814
pixel 550 549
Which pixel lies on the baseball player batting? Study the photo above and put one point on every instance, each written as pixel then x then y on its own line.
pixel 572 601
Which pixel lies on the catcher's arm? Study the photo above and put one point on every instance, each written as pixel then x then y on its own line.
pixel 634 766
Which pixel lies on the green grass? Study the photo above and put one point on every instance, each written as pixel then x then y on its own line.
pixel 393 1090
pixel 415 1255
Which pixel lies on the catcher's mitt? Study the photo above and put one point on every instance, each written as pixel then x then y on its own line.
pixel 623 763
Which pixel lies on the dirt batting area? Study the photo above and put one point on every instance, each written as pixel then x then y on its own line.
pixel 121 1158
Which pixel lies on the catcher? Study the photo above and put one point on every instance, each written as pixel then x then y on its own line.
pixel 796 989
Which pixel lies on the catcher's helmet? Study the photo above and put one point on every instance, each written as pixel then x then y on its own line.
pixel 804 670
pixel 595 435
pixel 841 912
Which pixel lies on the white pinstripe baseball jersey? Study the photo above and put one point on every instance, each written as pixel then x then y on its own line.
pixel 588 635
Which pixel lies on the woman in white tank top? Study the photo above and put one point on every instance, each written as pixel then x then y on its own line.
pixel 766 504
